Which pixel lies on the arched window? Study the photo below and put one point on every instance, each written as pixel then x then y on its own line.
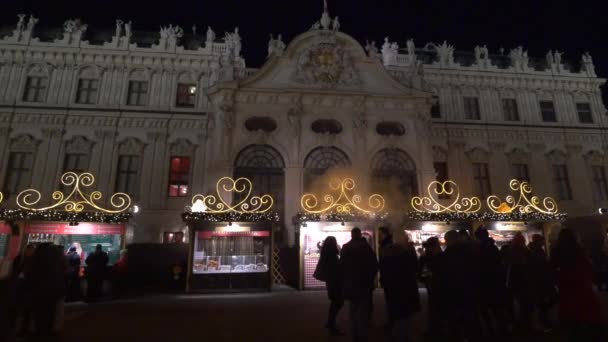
pixel 320 160
pixel 394 175
pixel 264 166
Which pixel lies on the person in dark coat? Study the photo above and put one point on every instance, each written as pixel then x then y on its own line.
pixel 21 273
pixel 48 276
pixel 329 263
pixel 427 272
pixel 579 306
pixel 542 283
pixel 493 292
pixel 519 282
pixel 73 275
pixel 359 267
pixel 96 269
pixel 398 269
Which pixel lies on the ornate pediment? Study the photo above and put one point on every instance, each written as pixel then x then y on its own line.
pixel 326 64
pixel 78 144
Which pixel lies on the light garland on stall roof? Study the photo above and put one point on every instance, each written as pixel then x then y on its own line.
pixel 63 216
pixel 340 217
pixel 488 216
pixel 267 216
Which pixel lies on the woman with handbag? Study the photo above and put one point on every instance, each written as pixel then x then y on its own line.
pixel 328 270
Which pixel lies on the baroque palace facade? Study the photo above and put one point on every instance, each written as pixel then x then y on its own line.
pixel 162 120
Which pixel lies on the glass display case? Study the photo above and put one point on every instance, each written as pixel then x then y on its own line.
pixel 503 232
pixel 419 233
pixel 222 252
pixel 226 260
pixel 312 235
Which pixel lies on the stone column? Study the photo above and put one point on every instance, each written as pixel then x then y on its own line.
pixel 151 175
pixel 293 193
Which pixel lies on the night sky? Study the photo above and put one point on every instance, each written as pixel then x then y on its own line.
pixel 538 25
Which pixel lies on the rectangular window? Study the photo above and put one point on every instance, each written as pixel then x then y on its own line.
pixel 548 111
pixel 520 172
pixel 584 113
pixel 35 89
pixel 562 184
pixel 509 108
pixel 441 175
pixel 471 108
pixel 138 93
pixel 127 175
pixel 179 174
pixel 186 95
pixel 600 188
pixel 87 91
pixel 481 180
pixel 76 162
pixel 19 172
pixel 435 107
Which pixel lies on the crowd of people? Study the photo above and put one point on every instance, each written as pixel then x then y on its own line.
pixel 43 278
pixel 476 291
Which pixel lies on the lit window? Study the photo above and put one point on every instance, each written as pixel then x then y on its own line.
pixel 87 91
pixel 19 173
pixel 179 176
pixel 471 108
pixel 186 95
pixel 35 89
pixel 138 93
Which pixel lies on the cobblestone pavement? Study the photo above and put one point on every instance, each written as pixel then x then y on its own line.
pixel 277 316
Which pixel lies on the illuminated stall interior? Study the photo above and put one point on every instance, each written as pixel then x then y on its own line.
pixel 520 212
pixel 336 215
pixel 232 244
pixel 442 210
pixel 74 218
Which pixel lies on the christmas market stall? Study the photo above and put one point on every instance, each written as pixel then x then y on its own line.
pixel 442 210
pixel 521 212
pixel 75 218
pixel 336 215
pixel 231 244
pixel 6 247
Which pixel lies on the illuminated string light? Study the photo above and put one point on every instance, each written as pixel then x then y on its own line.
pixel 432 204
pixel 216 204
pixel 76 200
pixel 343 204
pixel 525 202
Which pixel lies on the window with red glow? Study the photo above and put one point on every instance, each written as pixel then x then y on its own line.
pixel 179 175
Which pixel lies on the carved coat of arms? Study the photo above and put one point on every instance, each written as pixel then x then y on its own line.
pixel 327 65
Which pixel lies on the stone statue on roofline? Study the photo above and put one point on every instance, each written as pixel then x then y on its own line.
pixel 210 35
pixel 20 22
pixel 587 64
pixel 32 23
pixel 336 24
pixel 118 31
pixel 411 48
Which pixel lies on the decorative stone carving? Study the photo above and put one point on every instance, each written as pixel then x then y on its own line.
pixel 182 147
pixel 557 157
pixel 518 156
pixel 482 57
pixel 275 46
pixel 478 155
pixel 233 42
pixel 73 30
pixel 371 48
pixel 587 65
pixel 389 52
pixel 519 59
pixel 24 143
pixel 445 53
pixel 439 154
pixel 210 36
pixel 168 38
pixel 52 133
pixel 132 146
pixel 594 158
pixel 326 64
pixel 78 145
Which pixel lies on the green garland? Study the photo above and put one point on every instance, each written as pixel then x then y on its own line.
pixel 62 216
pixel 270 216
pixel 514 216
pixel 339 217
